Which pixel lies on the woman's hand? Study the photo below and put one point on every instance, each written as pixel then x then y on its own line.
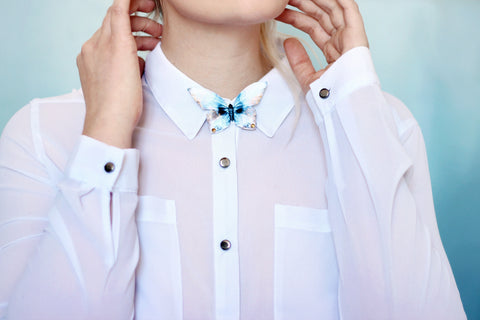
pixel 335 26
pixel 110 72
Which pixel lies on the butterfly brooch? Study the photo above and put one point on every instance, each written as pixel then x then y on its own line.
pixel 221 112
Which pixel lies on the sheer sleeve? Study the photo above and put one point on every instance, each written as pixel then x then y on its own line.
pixel 392 264
pixel 68 240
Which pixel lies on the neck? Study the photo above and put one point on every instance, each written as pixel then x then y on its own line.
pixel 222 58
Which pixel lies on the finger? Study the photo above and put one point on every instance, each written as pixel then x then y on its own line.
pixel 146 43
pixel 307 24
pixel 120 17
pixel 331 53
pixel 146 25
pixel 300 63
pixel 146 6
pixel 334 10
pixel 354 21
pixel 122 5
pixel 351 12
pixel 106 24
pixel 141 64
pixel 313 10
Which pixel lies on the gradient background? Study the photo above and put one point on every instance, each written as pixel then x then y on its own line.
pixel 426 52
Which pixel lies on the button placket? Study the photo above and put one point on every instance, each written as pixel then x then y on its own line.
pixel 225 223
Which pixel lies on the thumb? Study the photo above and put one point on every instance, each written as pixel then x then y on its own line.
pixel 120 17
pixel 300 63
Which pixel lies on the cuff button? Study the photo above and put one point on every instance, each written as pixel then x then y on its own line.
pixel 324 93
pixel 109 167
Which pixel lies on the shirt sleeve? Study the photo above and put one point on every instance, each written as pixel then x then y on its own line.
pixel 392 264
pixel 67 247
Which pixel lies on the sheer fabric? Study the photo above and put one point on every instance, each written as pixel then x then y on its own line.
pixel 334 222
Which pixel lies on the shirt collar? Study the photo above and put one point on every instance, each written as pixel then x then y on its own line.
pixel 169 86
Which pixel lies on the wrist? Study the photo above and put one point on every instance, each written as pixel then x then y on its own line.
pixel 113 134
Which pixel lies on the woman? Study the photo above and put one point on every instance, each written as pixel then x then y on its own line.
pixel 121 201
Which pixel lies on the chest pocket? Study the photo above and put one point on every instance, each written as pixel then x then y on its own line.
pixel 158 293
pixel 305 266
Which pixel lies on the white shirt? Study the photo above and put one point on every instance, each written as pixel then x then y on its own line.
pixel 334 222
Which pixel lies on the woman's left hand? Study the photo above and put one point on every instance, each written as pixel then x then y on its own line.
pixel 335 26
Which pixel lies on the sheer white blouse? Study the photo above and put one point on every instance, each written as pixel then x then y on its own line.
pixel 333 219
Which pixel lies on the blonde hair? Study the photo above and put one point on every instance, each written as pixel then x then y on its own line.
pixel 271 44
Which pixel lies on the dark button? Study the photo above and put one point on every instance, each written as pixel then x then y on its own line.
pixel 225 245
pixel 224 163
pixel 324 93
pixel 109 167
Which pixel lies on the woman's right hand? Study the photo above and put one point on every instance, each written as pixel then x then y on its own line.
pixel 110 72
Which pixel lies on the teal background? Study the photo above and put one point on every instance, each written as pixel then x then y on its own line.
pixel 426 52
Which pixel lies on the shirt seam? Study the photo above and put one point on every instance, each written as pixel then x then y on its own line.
pixel 37 137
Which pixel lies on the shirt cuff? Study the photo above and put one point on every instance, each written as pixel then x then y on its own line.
pixel 354 69
pixel 101 165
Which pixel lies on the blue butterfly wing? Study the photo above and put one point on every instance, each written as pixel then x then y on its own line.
pixel 206 99
pixel 217 122
pixel 247 119
pixel 251 95
pixel 245 114
pixel 210 101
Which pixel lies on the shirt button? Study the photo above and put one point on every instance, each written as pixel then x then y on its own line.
pixel 224 163
pixel 225 245
pixel 109 167
pixel 324 93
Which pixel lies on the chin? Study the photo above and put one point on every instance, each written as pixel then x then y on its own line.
pixel 228 12
pixel 258 11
